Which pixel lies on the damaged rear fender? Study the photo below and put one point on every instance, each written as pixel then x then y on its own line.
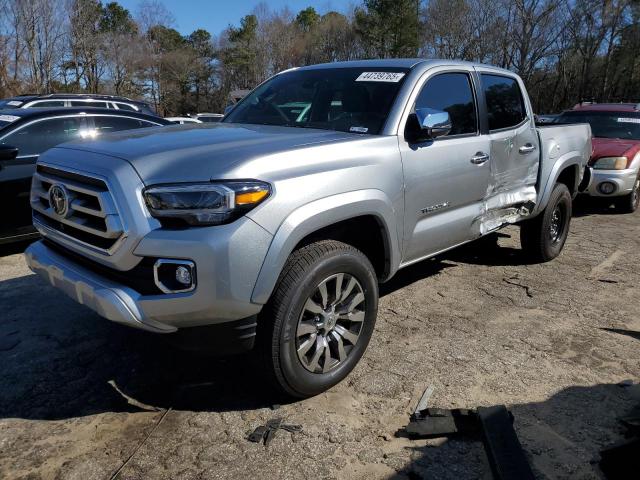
pixel 571 160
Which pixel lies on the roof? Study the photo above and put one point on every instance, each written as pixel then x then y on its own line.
pixel 385 62
pixel 404 63
pixel 608 107
pixel 28 97
pixel 65 111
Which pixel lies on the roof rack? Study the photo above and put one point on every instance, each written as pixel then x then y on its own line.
pixel 92 95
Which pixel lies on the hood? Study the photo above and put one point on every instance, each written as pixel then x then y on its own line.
pixel 199 152
pixel 613 147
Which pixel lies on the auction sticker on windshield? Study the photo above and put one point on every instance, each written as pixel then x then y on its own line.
pixel 392 77
pixel 8 118
pixel 628 120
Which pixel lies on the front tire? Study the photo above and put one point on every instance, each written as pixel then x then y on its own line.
pixel 319 319
pixel 629 203
pixel 542 238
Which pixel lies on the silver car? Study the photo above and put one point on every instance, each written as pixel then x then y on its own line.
pixel 273 228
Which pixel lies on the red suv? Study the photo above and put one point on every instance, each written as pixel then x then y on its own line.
pixel 616 150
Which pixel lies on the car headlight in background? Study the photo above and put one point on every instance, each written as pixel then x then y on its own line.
pixel 611 163
pixel 213 203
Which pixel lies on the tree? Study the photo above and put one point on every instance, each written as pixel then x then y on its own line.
pixel 120 49
pixel 389 28
pixel 239 57
pixel 307 19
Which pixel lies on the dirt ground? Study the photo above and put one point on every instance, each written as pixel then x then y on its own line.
pixel 83 398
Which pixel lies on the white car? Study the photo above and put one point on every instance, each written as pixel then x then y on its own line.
pixel 182 120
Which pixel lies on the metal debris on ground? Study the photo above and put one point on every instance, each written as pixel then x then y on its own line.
pixel 266 433
pixel 503 449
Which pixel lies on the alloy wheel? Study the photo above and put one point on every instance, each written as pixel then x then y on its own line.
pixel 330 323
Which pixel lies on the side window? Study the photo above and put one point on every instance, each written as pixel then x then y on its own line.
pixel 90 104
pixel 452 93
pixel 34 139
pixel 47 104
pixel 505 105
pixel 115 124
pixel 125 106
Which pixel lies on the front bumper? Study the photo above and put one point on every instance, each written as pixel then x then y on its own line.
pixel 228 259
pixel 622 180
pixel 109 300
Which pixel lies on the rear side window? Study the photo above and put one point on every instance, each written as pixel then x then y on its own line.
pixel 48 104
pixel 42 135
pixel 125 106
pixel 89 104
pixel 115 124
pixel 452 93
pixel 505 105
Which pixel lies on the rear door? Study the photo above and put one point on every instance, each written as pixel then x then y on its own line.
pixel 445 179
pixel 514 140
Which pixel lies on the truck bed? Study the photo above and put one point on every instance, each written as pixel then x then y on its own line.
pixel 558 144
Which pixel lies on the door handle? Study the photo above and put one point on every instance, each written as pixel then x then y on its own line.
pixel 528 148
pixel 479 158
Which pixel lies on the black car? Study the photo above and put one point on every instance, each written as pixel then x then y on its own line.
pixel 60 100
pixel 26 133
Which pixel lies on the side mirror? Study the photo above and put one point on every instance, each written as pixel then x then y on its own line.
pixel 227 109
pixel 7 152
pixel 434 123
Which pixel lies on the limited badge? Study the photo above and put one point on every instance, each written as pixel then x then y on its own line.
pixel 392 77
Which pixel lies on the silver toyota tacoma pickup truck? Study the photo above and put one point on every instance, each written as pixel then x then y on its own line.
pixel 274 227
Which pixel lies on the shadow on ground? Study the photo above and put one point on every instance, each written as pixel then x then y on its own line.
pixel 60 360
pixel 584 206
pixel 14 248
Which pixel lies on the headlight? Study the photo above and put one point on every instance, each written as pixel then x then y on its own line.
pixel 611 163
pixel 205 203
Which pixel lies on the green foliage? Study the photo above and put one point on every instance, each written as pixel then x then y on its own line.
pixel 389 28
pixel 167 39
pixel 565 51
pixel 307 19
pixel 117 19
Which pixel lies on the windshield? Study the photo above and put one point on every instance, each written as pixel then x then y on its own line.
pixel 623 125
pixel 353 100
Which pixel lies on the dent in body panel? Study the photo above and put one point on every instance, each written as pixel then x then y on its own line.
pixel 511 193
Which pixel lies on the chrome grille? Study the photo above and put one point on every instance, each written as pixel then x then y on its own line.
pixel 91 219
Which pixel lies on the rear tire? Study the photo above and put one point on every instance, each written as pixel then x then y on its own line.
pixel 543 237
pixel 629 203
pixel 320 318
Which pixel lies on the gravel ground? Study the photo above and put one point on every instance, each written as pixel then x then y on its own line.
pixel 82 398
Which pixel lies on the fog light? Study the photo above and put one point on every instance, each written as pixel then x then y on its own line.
pixel 174 276
pixel 607 188
pixel 183 275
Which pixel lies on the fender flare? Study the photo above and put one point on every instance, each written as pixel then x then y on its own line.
pixel 569 159
pixel 321 213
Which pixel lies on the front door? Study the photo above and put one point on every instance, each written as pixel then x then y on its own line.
pixel 446 180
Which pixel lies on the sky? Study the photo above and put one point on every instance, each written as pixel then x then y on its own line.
pixel 216 15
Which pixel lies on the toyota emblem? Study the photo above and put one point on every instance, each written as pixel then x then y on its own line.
pixel 59 200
